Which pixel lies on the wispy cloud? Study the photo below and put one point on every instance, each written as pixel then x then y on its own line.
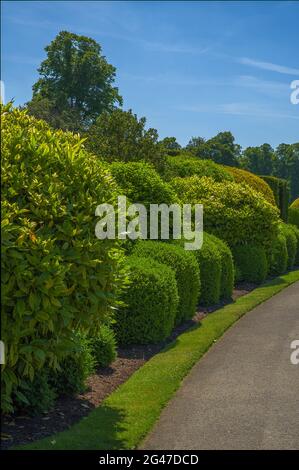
pixel 268 66
pixel 239 109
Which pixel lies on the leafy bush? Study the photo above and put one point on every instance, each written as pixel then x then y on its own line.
pixel 251 263
pixel 294 213
pixel 256 182
pixel 296 232
pixel 280 188
pixel 151 303
pixel 227 268
pixel 75 368
pixel 232 212
pixel 278 259
pixel 182 166
pixel 291 240
pixel 37 396
pixel 104 346
pixel 56 275
pixel 186 272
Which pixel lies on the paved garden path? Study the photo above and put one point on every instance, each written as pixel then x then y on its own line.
pixel 244 393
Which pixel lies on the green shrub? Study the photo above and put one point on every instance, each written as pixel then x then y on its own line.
pixel 233 212
pixel 296 232
pixel 56 275
pixel 182 166
pixel 251 263
pixel 256 182
pixel 227 268
pixel 291 240
pixel 75 369
pixel 104 346
pixel 281 191
pixel 151 303
pixel 294 213
pixel 37 396
pixel 186 272
pixel 278 259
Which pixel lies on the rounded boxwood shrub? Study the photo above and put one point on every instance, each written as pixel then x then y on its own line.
pixel 278 258
pixel 294 213
pixel 291 240
pixel 75 369
pixel 56 275
pixel 150 303
pixel 251 263
pixel 233 212
pixel 186 272
pixel 256 182
pixel 104 346
pixel 181 166
pixel 227 268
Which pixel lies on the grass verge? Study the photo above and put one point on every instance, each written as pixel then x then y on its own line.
pixel 128 414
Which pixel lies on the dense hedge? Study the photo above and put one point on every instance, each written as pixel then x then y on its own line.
pixel 103 346
pixel 294 213
pixel 56 275
pixel 233 212
pixel 186 272
pixel 291 240
pixel 296 232
pixel 227 267
pixel 151 303
pixel 251 263
pixel 280 188
pixel 182 166
pixel 278 257
pixel 256 182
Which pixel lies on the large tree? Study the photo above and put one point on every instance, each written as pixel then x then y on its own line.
pixel 75 84
pixel 221 148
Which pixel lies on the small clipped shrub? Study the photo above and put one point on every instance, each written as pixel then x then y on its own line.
pixel 281 191
pixel 104 346
pixel 278 259
pixel 291 240
pixel 186 272
pixel 151 303
pixel 227 268
pixel 37 396
pixel 256 182
pixel 209 260
pixel 251 263
pixel 233 212
pixel 182 167
pixel 294 213
pixel 75 369
pixel 56 275
pixel 296 232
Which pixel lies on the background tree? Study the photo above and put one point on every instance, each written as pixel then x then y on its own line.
pixel 75 84
pixel 221 148
pixel 121 136
pixel 260 160
pixel 171 146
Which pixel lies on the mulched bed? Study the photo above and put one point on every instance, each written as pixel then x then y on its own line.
pixel 16 429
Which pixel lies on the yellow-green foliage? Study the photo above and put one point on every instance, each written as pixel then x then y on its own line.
pixel 257 183
pixel 295 204
pixel 190 166
pixel 294 213
pixel 235 213
pixel 56 275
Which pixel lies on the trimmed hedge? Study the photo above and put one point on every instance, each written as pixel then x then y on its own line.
pixel 280 188
pixel 151 303
pixel 291 240
pixel 227 268
pixel 56 275
pixel 251 263
pixel 181 166
pixel 186 272
pixel 256 182
pixel 294 213
pixel 233 212
pixel 278 259
pixel 296 232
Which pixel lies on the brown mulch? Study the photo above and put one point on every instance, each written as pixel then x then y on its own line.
pixel 17 429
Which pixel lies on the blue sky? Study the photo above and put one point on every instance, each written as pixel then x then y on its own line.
pixel 191 68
